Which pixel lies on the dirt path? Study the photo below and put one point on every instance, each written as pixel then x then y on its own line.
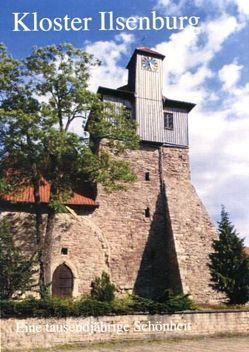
pixel 217 344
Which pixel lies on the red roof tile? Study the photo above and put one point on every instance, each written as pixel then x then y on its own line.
pixel 27 196
pixel 247 250
pixel 148 50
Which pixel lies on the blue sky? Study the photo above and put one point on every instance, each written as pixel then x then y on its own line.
pixel 207 65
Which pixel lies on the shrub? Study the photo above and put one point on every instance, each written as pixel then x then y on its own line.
pixel 122 305
pixel 92 307
pixel 58 307
pixel 102 289
pixel 32 307
pixel 178 302
pixel 144 305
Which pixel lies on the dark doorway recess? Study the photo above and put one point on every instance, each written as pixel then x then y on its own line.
pixel 62 282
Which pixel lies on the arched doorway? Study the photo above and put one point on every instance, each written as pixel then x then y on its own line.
pixel 62 282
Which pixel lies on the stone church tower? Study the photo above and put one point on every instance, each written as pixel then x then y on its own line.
pixel 160 229
pixel 158 234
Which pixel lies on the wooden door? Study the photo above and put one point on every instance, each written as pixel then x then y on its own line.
pixel 62 283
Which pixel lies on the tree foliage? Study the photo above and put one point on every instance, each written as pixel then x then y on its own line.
pixel 102 289
pixel 49 95
pixel 16 271
pixel 229 265
pixel 44 100
pixel 8 70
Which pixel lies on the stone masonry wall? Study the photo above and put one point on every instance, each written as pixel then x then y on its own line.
pixel 87 249
pixel 116 238
pixel 137 243
pixel 26 334
pixel 192 229
pixel 169 249
pixel 154 236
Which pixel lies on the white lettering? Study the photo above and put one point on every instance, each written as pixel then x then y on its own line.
pixel 181 20
pixel 141 23
pixel 31 22
pixel 19 22
pixel 120 21
pixel 103 17
pixel 193 20
pixel 131 23
pixel 45 24
pixel 35 21
pixel 171 22
pixel 57 24
pixel 155 20
pixel 66 27
pixel 85 23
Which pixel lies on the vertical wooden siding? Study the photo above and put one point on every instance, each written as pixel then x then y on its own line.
pixel 148 108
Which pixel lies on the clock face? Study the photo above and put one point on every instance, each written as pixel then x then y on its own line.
pixel 149 63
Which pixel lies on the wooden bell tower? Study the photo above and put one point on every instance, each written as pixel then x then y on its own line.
pixel 160 120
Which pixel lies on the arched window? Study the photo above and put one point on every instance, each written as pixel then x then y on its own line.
pixel 62 282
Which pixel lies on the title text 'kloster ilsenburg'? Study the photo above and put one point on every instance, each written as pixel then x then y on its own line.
pixel 107 21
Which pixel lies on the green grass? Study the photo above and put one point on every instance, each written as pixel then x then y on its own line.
pixel 222 306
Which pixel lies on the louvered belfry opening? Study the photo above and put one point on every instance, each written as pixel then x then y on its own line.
pixel 62 283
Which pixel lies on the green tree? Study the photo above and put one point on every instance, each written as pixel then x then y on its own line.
pixel 16 271
pixel 102 289
pixel 8 69
pixel 49 93
pixel 229 265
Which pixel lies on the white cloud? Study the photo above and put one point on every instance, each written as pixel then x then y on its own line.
pixel 230 75
pixel 217 7
pixel 243 6
pixel 110 73
pixel 219 136
pixel 171 7
pixel 188 54
pixel 219 156
pixel 240 100
pixel 195 46
pixel 220 164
